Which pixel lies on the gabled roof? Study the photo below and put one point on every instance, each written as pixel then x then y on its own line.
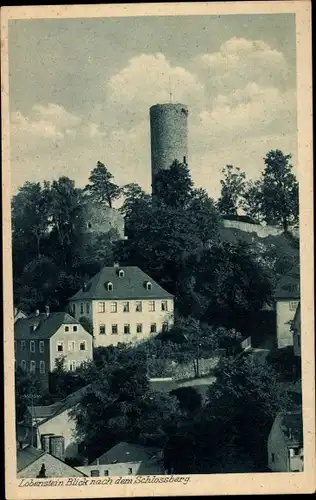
pixel 46 326
pixel 26 456
pixel 126 452
pixel 131 286
pixel 287 288
pixel 51 411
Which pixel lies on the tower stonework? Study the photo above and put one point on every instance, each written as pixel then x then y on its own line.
pixel 169 135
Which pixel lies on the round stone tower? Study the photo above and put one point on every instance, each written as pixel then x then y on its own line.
pixel 169 135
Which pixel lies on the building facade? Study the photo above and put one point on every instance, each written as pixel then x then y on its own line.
pixel 285 443
pixel 169 136
pixel 123 305
pixel 286 298
pixel 42 339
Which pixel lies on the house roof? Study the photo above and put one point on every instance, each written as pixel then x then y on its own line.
pixel 287 288
pixel 297 317
pixel 23 433
pixel 26 456
pixel 292 427
pixel 51 411
pixel 46 326
pixel 131 286
pixel 126 452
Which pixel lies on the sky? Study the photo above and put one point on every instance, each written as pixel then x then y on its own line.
pixel 80 92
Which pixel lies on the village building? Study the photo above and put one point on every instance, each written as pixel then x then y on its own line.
pixel 287 298
pixel 34 463
pixel 296 330
pixel 123 305
pixel 285 443
pixel 45 422
pixel 18 314
pixel 42 339
pixel 126 459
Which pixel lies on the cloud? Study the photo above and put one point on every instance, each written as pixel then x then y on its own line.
pixel 147 80
pixel 239 61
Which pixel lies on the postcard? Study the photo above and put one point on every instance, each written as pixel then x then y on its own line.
pixel 158 250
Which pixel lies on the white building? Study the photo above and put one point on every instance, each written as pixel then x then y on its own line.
pixel 287 298
pixel 123 305
pixel 285 443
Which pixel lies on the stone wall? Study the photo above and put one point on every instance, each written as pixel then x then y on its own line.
pixel 261 231
pixel 101 220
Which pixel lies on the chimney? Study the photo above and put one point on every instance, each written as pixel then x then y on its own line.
pixel 84 287
pixel 47 311
pixel 37 312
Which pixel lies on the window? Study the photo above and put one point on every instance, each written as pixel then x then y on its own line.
pixel 82 345
pixel 121 273
pixel 165 327
pixel 32 346
pixel 272 457
pixel 73 309
pixel 138 307
pixel 75 328
pixel 130 471
pixel 139 328
pixel 89 225
pixel 164 305
pixel 127 329
pixel 110 286
pixel 114 329
pixel 153 328
pixel 148 286
pixel 88 308
pixel 94 473
pixel 102 329
pixel 32 366
pixel 22 345
pixel 41 346
pixel 60 346
pixel 113 307
pixel 293 305
pixel 66 328
pixel 72 346
pixel 106 472
pixel 42 366
pixel 72 365
pixel 23 364
pixel 101 308
pixel 151 306
pixel 81 308
pixel 126 307
pixel 32 328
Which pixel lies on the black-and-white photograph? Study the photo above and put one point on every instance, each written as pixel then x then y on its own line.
pixel 155 248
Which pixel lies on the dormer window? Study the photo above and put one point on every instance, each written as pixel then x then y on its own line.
pixel 148 286
pixel 109 286
pixel 121 273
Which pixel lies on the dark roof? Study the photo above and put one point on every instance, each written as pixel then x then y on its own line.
pixel 297 318
pixel 51 411
pixel 27 456
pixel 46 326
pixel 23 433
pixel 126 452
pixel 292 428
pixel 287 295
pixel 131 286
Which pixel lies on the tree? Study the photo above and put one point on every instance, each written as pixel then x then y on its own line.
pixel 274 198
pixel 248 394
pixel 26 388
pixel 101 188
pixel 173 186
pixel 120 406
pixel 233 186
